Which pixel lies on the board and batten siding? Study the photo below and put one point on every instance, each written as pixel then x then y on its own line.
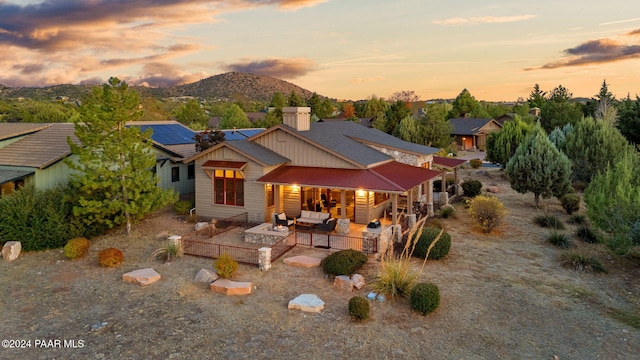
pixel 254 193
pixel 291 201
pixel 299 152
pixel 163 171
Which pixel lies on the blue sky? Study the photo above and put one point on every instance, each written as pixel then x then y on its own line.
pixel 347 49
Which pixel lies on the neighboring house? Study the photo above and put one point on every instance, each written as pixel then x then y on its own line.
pixel 33 153
pixel 471 133
pixel 368 122
pixel 354 172
pixel 504 118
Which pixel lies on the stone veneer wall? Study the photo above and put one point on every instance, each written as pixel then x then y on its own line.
pixel 405 158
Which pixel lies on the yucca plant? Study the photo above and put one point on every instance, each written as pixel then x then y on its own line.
pixel 587 234
pixel 560 240
pixel 168 252
pixel 548 221
pixel 575 259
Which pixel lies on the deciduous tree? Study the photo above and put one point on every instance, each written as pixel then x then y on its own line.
pixel 191 113
pixel 114 182
pixel 234 117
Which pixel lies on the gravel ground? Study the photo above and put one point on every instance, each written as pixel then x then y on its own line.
pixel 504 296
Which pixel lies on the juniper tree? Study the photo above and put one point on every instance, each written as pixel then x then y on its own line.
pixel 539 167
pixel 503 144
pixel 113 179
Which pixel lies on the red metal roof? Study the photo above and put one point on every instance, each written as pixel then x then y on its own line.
pixel 448 162
pixel 220 164
pixel 390 177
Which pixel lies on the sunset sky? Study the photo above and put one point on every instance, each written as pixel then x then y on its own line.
pixel 348 49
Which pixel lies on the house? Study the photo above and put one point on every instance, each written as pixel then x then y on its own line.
pixel 471 133
pixel 353 172
pixel 32 153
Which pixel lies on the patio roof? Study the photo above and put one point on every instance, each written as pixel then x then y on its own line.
pixel 448 163
pixel 390 177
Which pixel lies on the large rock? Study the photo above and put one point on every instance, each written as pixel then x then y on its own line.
pixel 302 261
pixel 206 276
pixel 11 250
pixel 307 303
pixel 343 282
pixel 358 281
pixel 228 287
pixel 141 276
pixel 493 189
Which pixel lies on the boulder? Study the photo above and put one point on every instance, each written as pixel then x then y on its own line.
pixel 201 225
pixel 141 276
pixel 302 261
pixel 343 282
pixel 228 287
pixel 307 303
pixel 358 281
pixel 206 276
pixel 11 250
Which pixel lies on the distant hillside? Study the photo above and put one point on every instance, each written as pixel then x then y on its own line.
pixel 227 87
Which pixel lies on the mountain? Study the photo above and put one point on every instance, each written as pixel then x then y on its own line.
pixel 230 86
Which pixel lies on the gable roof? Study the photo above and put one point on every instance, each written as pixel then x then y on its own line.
pixel 11 130
pixel 468 126
pixel 30 152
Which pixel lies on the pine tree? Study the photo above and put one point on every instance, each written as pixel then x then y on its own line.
pixel 538 167
pixel 503 144
pixel 113 179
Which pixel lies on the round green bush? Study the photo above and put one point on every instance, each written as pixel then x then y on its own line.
pixel 359 307
pixel 472 188
pixel 570 203
pixel 76 248
pixel 343 262
pixel 475 163
pixel 425 297
pixel 439 250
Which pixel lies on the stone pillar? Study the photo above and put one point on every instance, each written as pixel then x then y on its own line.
pixel 397 233
pixel 443 198
pixel 342 226
pixel 412 221
pixel 430 212
pixel 430 199
pixel 264 258
pixel 175 240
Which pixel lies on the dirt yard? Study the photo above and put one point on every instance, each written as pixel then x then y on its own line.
pixel 504 296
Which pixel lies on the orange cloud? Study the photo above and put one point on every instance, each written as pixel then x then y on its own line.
pixel 275 67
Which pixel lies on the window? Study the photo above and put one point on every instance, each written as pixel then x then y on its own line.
pixel 191 171
pixel 271 195
pixel 380 198
pixel 228 187
pixel 175 174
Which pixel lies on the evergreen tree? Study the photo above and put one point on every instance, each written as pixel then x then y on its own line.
pixel 295 100
pixel 467 105
pixel 435 128
pixel 613 201
pixel 408 130
pixel 538 167
pixel 503 144
pixel 593 146
pixel 537 98
pixel 114 181
pixel 629 119
pixel 395 113
pixel 559 110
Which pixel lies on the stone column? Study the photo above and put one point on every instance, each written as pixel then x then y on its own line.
pixel 264 258
pixel 430 212
pixel 175 240
pixel 412 221
pixel 342 226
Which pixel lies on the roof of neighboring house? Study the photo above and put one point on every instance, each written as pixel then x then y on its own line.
pixel 10 130
pixel 468 126
pixel 505 117
pixel 353 142
pixel 240 134
pixel 11 175
pixel 31 152
pixel 167 132
pixel 362 121
pixel 389 177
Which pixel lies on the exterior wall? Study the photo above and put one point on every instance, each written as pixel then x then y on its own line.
pixel 299 152
pixel 184 186
pixel 409 159
pixel 363 205
pixel 291 200
pixel 54 175
pixel 254 193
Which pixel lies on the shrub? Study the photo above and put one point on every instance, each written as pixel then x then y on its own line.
pixel 548 221
pixel 343 262
pixel 183 207
pixel 570 202
pixel 76 248
pixel 169 252
pixel 425 298
pixel 435 223
pixel 635 233
pixel 580 261
pixel 487 212
pixel 110 257
pixel 587 234
pixel 225 266
pixel 439 250
pixel 475 163
pixel 472 188
pixel 447 211
pixel 577 219
pixel 395 278
pixel 359 307
pixel 560 240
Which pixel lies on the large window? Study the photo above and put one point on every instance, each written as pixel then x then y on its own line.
pixel 228 187
pixel 380 198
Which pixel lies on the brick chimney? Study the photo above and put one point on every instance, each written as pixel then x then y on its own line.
pixel 298 118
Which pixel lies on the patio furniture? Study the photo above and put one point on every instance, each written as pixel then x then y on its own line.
pixel 312 217
pixel 282 219
pixel 327 225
